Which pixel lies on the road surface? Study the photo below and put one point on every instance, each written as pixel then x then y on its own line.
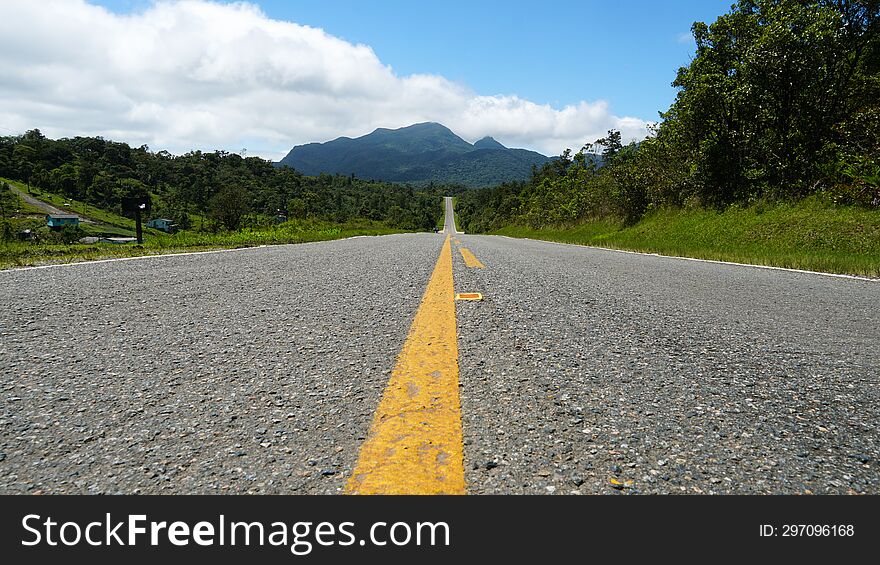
pixel 581 371
pixel 449 218
pixel 47 208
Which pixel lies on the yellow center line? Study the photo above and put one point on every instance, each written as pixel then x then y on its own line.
pixel 415 442
pixel 469 259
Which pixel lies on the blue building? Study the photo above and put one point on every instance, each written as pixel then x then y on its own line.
pixel 163 224
pixel 58 221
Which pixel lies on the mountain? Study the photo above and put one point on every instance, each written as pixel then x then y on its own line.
pixel 417 154
pixel 488 143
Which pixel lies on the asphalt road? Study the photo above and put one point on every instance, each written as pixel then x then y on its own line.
pixel 585 365
pixel 249 371
pixel 449 219
pixel 581 371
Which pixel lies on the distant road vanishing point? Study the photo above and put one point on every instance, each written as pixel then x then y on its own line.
pixel 349 366
pixel 449 221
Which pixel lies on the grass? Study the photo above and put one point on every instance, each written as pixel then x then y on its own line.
pixel 106 230
pixel 26 208
pixel 441 221
pixel 810 235
pixel 106 223
pixel 80 208
pixel 19 254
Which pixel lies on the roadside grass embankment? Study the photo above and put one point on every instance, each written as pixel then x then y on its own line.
pixel 26 208
pixel 32 253
pixel 103 223
pixel 810 235
pixel 441 221
pixel 80 208
pixel 21 254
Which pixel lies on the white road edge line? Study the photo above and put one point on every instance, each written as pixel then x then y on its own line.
pixel 768 267
pixel 160 255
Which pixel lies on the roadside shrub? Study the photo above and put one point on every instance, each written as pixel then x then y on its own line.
pixel 66 235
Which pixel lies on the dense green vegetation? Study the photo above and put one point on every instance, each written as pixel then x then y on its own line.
pixel 421 154
pixel 9 202
pixel 224 189
pixel 216 199
pixel 61 247
pixel 781 102
pixel 100 215
pixel 803 235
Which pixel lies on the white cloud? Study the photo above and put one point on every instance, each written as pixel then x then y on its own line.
pixel 193 74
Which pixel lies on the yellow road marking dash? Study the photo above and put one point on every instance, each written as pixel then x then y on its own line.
pixel 469 259
pixel 415 442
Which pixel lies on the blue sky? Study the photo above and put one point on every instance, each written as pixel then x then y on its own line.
pixel 267 75
pixel 625 52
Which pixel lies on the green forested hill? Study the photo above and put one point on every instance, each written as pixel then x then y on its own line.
pixel 217 189
pixel 418 154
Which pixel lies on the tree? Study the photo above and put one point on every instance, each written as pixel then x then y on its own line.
pixel 296 208
pixel 63 180
pixel 229 206
pixel 24 158
pixel 611 145
pixel 770 83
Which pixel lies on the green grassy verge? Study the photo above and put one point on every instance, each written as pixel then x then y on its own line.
pixel 75 206
pixel 810 235
pixel 19 254
pixel 106 230
pixel 441 221
pixel 25 208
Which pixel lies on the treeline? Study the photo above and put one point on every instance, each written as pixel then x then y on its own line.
pixel 780 101
pixel 219 189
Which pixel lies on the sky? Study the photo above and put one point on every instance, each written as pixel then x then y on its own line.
pixel 268 75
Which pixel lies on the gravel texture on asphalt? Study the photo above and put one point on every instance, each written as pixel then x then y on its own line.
pixel 582 371
pixel 593 371
pixel 253 371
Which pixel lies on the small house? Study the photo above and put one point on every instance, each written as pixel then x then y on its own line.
pixel 58 221
pixel 163 224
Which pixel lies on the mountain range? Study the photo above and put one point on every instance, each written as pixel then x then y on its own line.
pixel 418 154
